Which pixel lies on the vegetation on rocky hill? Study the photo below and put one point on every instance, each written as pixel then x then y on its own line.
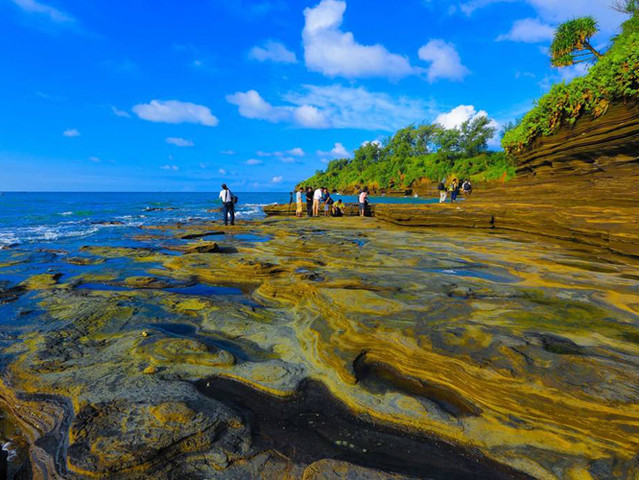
pixel 614 77
pixel 415 153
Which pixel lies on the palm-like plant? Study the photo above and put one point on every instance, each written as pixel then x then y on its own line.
pixel 571 43
pixel 626 6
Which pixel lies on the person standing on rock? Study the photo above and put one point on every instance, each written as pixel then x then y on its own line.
pixel 443 194
pixel 228 204
pixel 309 201
pixel 300 204
pixel 363 201
pixel 328 202
pixel 317 198
pixel 454 190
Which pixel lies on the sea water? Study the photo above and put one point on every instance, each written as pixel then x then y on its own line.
pixel 62 219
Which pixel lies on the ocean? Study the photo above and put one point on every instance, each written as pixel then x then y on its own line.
pixel 63 219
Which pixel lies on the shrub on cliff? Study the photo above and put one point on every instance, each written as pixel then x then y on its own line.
pixel 615 77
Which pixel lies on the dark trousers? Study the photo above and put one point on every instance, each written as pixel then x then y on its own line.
pixel 309 208
pixel 229 211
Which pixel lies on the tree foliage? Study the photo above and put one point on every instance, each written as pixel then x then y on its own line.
pixel 615 77
pixel 626 6
pixel 571 43
pixel 419 152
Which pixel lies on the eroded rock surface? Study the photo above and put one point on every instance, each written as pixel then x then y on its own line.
pixel 337 348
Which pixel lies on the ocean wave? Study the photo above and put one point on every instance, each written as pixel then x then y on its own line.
pixel 66 214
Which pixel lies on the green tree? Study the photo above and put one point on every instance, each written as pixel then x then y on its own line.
pixel 474 135
pixel 447 142
pixel 571 44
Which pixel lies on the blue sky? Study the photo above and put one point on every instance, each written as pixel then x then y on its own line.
pixel 114 95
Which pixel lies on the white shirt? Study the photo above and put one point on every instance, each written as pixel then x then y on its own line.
pixel 299 197
pixel 318 194
pixel 225 196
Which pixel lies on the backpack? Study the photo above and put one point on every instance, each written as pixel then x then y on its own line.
pixel 441 187
pixel 234 199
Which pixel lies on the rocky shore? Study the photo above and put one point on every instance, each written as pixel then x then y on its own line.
pixel 332 348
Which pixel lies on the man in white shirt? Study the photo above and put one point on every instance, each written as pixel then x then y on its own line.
pixel 317 198
pixel 228 207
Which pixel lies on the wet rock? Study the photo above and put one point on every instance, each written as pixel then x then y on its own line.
pixel 560 345
pixel 191 236
pixel 85 261
pixel 108 223
pixel 202 247
pixel 329 469
pixel 41 281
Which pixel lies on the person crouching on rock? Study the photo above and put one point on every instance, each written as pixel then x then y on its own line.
pixel 228 206
pixel 337 209
pixel 467 188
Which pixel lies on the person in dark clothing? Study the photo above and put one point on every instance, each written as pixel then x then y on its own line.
pixel 309 201
pixel 454 191
pixel 228 204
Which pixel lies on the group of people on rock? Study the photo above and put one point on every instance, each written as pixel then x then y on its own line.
pixel 320 200
pixel 455 187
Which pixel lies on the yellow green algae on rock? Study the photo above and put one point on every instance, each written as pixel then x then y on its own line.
pixel 336 349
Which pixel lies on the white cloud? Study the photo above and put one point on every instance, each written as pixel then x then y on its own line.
pixel 286 157
pixel 462 113
pixel 338 151
pixel 528 30
pixel 311 117
pixel 252 105
pixel 444 61
pixel 273 51
pixel 254 161
pixel 32 6
pixel 174 168
pixel 227 152
pixel 374 142
pixel 94 159
pixel 458 115
pixel 277 179
pixel 296 152
pixel 120 113
pixel 332 52
pixel 221 171
pixel 175 111
pixel 71 132
pixel 179 142
pixel 335 106
pixel 347 107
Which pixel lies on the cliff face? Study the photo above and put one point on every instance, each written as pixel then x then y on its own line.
pixel 589 146
pixel 578 185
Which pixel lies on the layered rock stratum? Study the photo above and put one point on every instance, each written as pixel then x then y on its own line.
pixel 324 348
